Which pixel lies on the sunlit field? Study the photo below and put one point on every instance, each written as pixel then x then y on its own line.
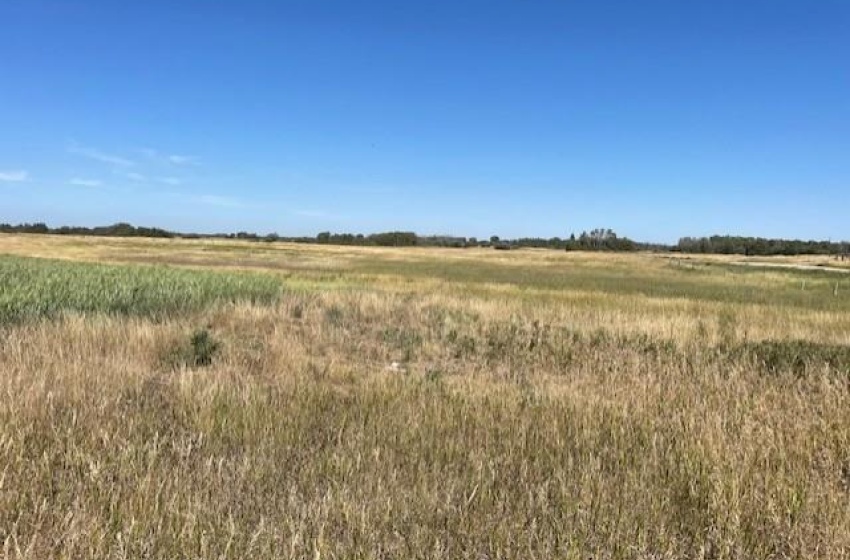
pixel 228 399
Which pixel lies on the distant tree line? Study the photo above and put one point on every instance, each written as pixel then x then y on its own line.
pixel 595 240
pixel 757 246
pixel 115 230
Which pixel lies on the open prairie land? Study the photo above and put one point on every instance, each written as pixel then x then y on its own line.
pixel 227 399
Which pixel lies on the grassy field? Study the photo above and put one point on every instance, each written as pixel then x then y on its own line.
pixel 211 399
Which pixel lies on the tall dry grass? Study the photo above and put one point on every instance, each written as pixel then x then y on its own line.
pixel 490 439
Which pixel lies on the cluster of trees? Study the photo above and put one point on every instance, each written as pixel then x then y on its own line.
pixel 595 240
pixel 25 228
pixel 600 240
pixel 732 245
pixel 386 239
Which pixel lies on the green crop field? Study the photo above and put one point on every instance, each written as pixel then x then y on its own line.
pixel 33 288
pixel 207 399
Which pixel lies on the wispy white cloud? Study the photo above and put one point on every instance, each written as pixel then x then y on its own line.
pixel 86 182
pixel 173 159
pixel 138 177
pixel 183 160
pixel 173 181
pixel 16 176
pixel 97 155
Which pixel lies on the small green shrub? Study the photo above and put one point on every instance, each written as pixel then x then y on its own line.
pixel 297 311
pixel 198 351
pixel 203 347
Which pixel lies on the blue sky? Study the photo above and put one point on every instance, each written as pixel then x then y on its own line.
pixel 658 118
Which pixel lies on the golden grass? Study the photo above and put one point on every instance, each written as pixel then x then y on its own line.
pixel 520 420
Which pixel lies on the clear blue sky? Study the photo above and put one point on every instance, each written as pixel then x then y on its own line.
pixel 657 118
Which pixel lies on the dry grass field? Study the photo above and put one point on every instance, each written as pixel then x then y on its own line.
pixel 224 399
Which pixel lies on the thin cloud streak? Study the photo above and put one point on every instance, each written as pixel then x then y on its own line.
pixel 172 159
pixel 183 160
pixel 16 176
pixel 97 155
pixel 86 183
pixel 138 177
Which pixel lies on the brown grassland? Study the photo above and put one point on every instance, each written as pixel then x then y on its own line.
pixel 224 399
